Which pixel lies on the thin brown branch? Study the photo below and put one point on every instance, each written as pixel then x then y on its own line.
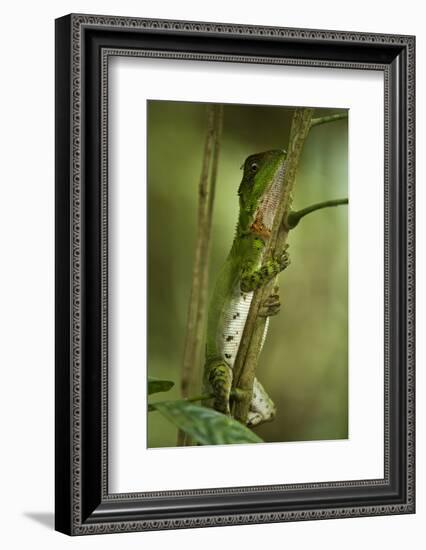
pixel 326 119
pixel 197 310
pixel 246 361
pixel 294 217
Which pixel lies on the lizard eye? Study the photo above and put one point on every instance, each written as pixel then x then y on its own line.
pixel 254 167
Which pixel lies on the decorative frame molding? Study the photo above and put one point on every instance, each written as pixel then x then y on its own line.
pixel 84 44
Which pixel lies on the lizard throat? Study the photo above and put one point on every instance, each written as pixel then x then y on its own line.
pixel 264 216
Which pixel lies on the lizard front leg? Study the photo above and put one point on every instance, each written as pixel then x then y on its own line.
pixel 254 279
pixel 218 379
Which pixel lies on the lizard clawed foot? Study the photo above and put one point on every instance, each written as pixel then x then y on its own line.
pixel 284 260
pixel 271 306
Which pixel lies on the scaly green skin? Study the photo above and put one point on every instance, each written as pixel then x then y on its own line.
pixel 243 272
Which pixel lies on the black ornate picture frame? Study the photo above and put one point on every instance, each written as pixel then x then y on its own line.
pixel 84 43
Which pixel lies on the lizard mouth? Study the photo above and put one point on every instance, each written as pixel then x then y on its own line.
pixel 264 217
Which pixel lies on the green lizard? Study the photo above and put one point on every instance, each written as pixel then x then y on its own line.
pixel 243 272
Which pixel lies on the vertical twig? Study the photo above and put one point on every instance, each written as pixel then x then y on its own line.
pixel 197 309
pixel 246 361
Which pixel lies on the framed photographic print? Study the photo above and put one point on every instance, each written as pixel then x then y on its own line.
pixel 234 274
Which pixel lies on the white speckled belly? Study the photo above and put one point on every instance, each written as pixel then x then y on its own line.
pixel 233 325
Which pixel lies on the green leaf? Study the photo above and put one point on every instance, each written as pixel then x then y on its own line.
pixel 156 385
pixel 204 425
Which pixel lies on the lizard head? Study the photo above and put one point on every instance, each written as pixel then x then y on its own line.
pixel 260 190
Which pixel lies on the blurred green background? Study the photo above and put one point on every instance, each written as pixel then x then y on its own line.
pixel 304 362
